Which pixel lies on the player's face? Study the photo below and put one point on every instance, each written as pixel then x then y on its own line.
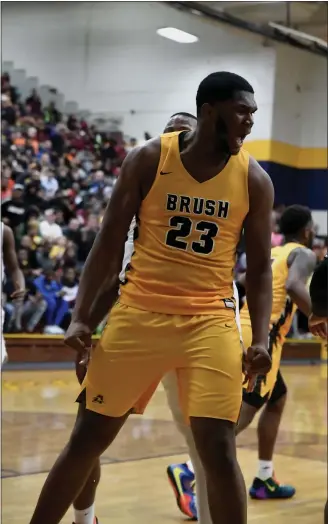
pixel 233 121
pixel 180 123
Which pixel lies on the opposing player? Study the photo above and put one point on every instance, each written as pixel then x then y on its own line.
pixel 10 265
pixel 292 265
pixel 192 193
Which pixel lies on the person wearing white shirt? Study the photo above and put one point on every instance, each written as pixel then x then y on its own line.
pixel 48 227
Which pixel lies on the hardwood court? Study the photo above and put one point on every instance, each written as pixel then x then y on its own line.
pixel 38 414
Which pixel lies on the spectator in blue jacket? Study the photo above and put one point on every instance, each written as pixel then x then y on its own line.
pixel 52 293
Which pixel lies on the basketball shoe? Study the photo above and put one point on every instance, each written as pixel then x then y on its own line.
pixel 182 481
pixel 270 489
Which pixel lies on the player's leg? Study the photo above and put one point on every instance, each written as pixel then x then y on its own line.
pixel 211 391
pixel 182 478
pixel 252 403
pixel 270 418
pixel 84 504
pixel 74 465
pixel 126 349
pixel 265 484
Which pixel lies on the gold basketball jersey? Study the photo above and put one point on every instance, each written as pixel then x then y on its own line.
pixel 184 251
pixel 283 309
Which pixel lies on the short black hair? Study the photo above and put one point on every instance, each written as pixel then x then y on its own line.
pixel 294 219
pixel 182 113
pixel 220 86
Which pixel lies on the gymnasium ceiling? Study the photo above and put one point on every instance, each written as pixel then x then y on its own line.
pixel 308 17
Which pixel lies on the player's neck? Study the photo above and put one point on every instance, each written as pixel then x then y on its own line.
pixel 293 240
pixel 204 148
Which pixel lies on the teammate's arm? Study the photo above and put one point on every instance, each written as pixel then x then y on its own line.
pixel 301 263
pixel 11 264
pixel 258 252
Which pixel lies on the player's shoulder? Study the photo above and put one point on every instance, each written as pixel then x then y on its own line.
pixel 303 255
pixel 257 174
pixel 145 152
pixel 260 185
pixel 140 166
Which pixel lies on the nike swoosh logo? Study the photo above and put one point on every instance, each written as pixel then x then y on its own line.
pixel 165 172
pixel 227 326
pixel 176 473
pixel 270 488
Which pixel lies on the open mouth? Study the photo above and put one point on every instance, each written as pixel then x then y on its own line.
pixel 240 140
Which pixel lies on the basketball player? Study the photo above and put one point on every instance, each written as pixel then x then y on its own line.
pixel 192 193
pixel 10 265
pixel 292 265
pixel 84 506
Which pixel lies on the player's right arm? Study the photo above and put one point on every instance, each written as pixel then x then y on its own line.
pixel 301 263
pixel 105 258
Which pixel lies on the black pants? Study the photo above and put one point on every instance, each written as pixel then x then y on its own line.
pixel 254 399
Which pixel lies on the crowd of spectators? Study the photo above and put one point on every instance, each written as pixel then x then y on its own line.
pixel 57 176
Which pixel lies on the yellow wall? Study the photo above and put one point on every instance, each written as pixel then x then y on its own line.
pixel 288 155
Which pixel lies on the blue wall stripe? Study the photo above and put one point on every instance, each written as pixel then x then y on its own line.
pixel 307 187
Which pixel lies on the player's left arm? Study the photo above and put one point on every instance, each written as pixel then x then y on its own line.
pixel 258 252
pixel 301 263
pixel 11 264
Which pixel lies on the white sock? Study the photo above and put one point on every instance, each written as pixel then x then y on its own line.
pixel 84 516
pixel 190 466
pixel 265 469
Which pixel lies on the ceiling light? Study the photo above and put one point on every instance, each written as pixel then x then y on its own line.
pixel 172 33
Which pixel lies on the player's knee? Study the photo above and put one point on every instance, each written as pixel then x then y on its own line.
pixel 96 425
pixel 215 442
pixel 278 405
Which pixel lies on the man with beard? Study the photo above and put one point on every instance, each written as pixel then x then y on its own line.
pixel 192 192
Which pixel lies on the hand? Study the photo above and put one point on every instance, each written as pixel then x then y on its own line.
pixel 256 361
pixel 79 337
pixel 18 296
pixel 318 326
